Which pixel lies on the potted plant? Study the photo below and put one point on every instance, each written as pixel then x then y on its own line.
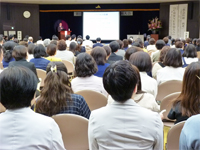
pixel 154 25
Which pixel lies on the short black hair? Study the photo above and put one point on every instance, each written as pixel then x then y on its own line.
pixel 137 44
pixel 39 51
pixel 39 38
pixel 68 37
pixel 18 86
pixel 19 52
pixel 120 80
pixel 73 36
pixel 25 40
pixel 85 65
pixel 31 47
pixel 190 51
pixel 160 44
pixel 173 58
pixel 114 45
pixel 99 55
pixel 87 37
pixel 131 50
pixel 121 44
pixel 8 48
pixel 98 39
pixel 140 42
pixel 10 37
pixel 142 61
pixel 79 36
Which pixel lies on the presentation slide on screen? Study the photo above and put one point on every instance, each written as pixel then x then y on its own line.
pixel 101 24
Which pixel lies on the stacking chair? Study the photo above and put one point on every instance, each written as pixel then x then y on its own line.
pixel 173 136
pixel 88 49
pixel 70 67
pixel 2 108
pixel 150 52
pixel 74 131
pixel 167 88
pixel 42 75
pixel 198 55
pixel 94 99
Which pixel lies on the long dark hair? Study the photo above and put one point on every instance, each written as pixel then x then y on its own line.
pixel 56 91
pixel 8 48
pixel 190 95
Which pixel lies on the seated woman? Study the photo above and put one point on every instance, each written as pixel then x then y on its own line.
pixel 108 51
pixel 189 55
pixel 20 55
pixel 51 51
pixel 99 55
pixel 21 128
pixel 158 65
pixel 73 47
pixel 57 96
pixel 130 51
pixel 85 68
pixel 142 61
pixel 144 99
pixel 188 102
pixel 38 60
pixel 7 56
pixel 125 43
pixel 173 67
pixel 79 47
pixel 31 47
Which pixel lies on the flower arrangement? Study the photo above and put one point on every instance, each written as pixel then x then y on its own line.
pixel 154 24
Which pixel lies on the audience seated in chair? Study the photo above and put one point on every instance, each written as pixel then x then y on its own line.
pixel 152 45
pixel 85 68
pixel 21 128
pixel 98 40
pixel 120 51
pixel 51 51
pixel 108 51
pixel 57 96
pixel 118 125
pixel 155 55
pixel 38 60
pixel 80 48
pixel 173 67
pixel 188 102
pixel 99 55
pixel 130 51
pixel 31 47
pixel 88 42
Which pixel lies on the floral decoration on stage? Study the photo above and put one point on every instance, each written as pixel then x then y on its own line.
pixel 154 25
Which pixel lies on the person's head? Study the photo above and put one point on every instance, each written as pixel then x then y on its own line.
pixel 179 44
pixel 98 40
pixel 19 52
pixel 120 80
pixel 165 39
pixel 68 37
pixel 140 42
pixel 172 41
pixel 30 38
pixel 160 44
pixel 1 40
pixel 108 50
pixel 188 40
pixel 125 43
pixel 79 44
pixel 190 51
pixel 61 45
pixel 114 45
pixel 31 47
pixel 152 41
pixel 142 61
pixel 198 42
pixel 85 65
pixel 130 51
pixel 60 24
pixel 23 43
pixel 173 58
pixel 39 38
pixel 56 90
pixel 99 55
pixel 163 52
pixel 72 47
pixel 54 42
pixel 130 42
pixel 169 37
pixel 190 96
pixel 87 37
pixel 55 38
pixel 25 40
pixel 73 37
pixel 47 42
pixel 137 44
pixel 79 37
pixel 39 51
pixel 1 53
pixel 194 41
pixel 11 37
pixel 51 49
pixel 18 87
pixel 120 44
pixel 8 48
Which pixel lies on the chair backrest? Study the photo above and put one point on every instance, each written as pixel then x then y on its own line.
pixel 167 88
pixel 198 54
pixel 94 99
pixel 69 65
pixel 74 131
pixel 166 104
pixel 41 74
pixel 173 136
pixel 150 52
pixel 88 49
pixel 2 108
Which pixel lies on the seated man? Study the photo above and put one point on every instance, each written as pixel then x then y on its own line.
pixel 114 57
pixel 98 40
pixel 20 127
pixel 87 42
pixel 124 124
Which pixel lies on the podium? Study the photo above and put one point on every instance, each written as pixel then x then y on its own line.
pixel 155 36
pixel 62 34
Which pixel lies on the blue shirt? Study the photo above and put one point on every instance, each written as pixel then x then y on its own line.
pixel 101 70
pixel 77 106
pixel 40 63
pixel 6 64
pixel 190 134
